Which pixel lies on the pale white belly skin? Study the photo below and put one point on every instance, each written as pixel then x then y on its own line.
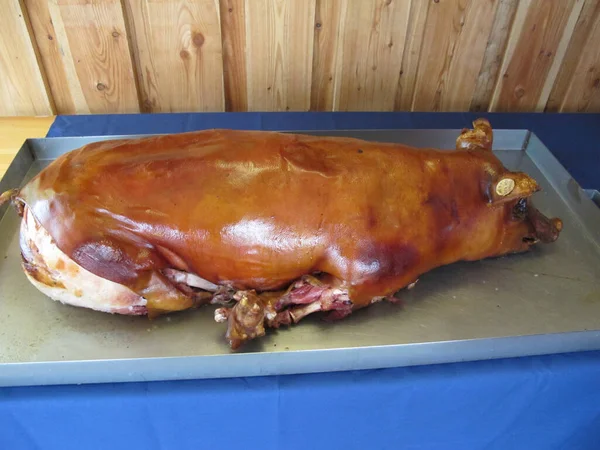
pixel 68 282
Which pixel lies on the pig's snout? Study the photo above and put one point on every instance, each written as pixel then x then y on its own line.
pixel 545 230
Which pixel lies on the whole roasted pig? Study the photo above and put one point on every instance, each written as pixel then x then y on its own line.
pixel 268 226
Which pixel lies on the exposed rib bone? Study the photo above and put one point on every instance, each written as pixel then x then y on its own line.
pixel 300 312
pixel 178 276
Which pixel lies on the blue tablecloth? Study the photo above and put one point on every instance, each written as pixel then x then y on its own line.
pixel 530 403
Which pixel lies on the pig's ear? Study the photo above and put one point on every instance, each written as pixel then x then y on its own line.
pixel 480 137
pixel 511 186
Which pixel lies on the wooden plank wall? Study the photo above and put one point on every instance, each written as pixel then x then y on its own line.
pixel 123 56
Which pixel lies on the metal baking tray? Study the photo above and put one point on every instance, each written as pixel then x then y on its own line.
pixel 545 301
pixel 594 194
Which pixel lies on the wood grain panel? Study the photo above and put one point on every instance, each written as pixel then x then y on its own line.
pixel 95 53
pixel 559 55
pixel 233 32
pixel 411 55
pixel 452 53
pixel 22 86
pixel 496 46
pixel 116 56
pixel 50 55
pixel 537 43
pixel 279 40
pixel 581 39
pixel 324 71
pixel 178 51
pixel 583 94
pixel 372 45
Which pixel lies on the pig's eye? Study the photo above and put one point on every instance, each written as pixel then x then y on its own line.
pixel 520 209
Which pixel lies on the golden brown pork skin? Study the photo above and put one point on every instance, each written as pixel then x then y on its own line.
pixel 275 225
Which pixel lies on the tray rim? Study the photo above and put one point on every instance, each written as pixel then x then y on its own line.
pixel 180 368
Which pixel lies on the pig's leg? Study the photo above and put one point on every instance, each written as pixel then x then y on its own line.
pixel 253 312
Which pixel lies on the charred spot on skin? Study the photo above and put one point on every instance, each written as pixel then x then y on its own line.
pixel 360 150
pixel 389 259
pixel 445 216
pixel 454 211
pixel 442 208
pixel 372 220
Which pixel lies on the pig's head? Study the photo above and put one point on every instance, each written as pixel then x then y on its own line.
pixel 509 193
pixel 524 225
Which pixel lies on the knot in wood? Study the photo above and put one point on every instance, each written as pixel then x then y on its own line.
pixel 519 92
pixel 198 39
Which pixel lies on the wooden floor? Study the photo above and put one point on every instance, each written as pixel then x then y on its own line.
pixel 14 131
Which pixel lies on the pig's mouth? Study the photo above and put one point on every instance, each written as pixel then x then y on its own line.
pixel 541 228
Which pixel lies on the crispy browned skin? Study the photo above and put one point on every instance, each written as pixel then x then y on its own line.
pixel 258 210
